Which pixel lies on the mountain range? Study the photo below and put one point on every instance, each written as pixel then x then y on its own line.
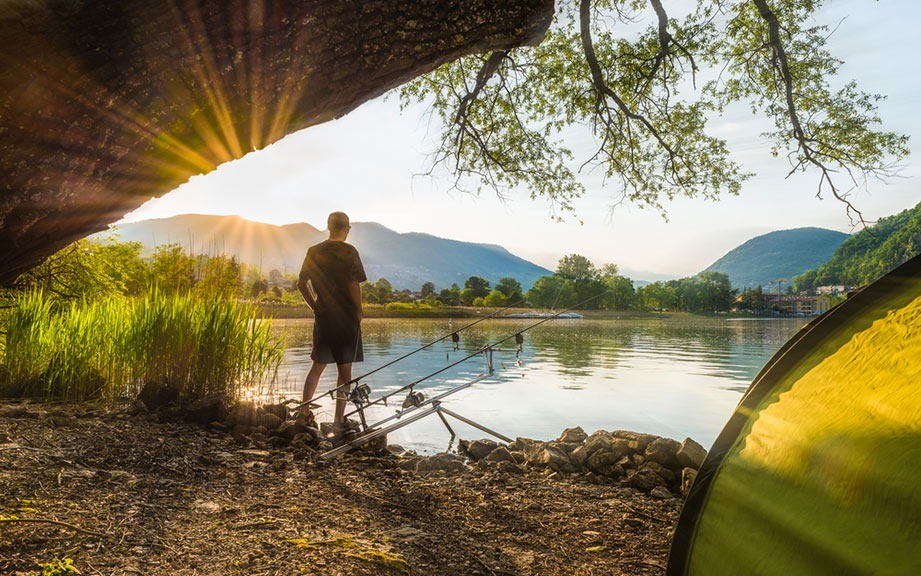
pixel 780 255
pixel 407 260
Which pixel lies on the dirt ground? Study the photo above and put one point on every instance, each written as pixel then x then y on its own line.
pixel 142 496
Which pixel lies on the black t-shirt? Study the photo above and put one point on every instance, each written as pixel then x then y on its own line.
pixel 330 266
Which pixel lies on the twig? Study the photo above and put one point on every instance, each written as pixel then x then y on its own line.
pixel 18 447
pixel 485 565
pixel 47 521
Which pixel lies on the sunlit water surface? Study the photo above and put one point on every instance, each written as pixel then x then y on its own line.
pixel 672 376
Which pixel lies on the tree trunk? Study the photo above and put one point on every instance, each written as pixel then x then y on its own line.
pixel 106 104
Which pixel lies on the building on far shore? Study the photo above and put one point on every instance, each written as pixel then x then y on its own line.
pixel 831 290
pixel 797 305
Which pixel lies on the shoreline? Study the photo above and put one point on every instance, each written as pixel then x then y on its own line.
pixel 165 496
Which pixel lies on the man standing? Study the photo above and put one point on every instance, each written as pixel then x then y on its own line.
pixel 334 271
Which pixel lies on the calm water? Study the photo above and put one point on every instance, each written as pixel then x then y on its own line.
pixel 674 377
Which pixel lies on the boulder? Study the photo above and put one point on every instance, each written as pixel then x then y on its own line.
pixel 644 480
pixel 661 470
pixel 636 442
pixel 244 413
pixel 553 458
pixel 506 467
pixel 597 441
pixel 661 492
pixel 291 428
pixel 691 454
pixel 576 435
pixel 688 475
pixel 578 457
pixel 444 462
pixel 270 421
pixel 519 456
pixel 280 410
pixel 600 461
pixel 566 447
pixel 663 451
pixel 158 394
pixel 395 449
pixel 479 449
pixel 522 445
pixel 500 454
pixel 211 408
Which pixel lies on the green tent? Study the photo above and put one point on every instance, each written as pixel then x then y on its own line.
pixel 818 471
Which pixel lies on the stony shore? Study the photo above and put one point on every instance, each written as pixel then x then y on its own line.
pixel 212 489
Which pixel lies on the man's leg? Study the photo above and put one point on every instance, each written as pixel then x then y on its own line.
pixel 313 379
pixel 345 376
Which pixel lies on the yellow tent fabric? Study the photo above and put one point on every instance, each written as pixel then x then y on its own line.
pixel 819 469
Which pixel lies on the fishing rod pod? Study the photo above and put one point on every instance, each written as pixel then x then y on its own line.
pixel 415 400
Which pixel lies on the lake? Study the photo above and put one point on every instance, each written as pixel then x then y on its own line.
pixel 673 376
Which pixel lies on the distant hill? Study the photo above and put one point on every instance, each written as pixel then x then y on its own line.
pixel 779 254
pixel 873 251
pixel 406 260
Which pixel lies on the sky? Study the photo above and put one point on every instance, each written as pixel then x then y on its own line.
pixel 369 162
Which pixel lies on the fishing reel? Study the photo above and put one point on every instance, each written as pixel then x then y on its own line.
pixel 413 399
pixel 360 394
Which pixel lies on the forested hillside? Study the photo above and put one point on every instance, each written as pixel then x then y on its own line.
pixel 870 253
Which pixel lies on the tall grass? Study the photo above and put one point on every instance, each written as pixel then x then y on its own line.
pixel 111 348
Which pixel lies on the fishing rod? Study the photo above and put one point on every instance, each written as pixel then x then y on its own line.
pixel 415 400
pixel 453 335
pixel 482 349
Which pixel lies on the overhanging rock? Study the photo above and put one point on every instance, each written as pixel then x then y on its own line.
pixel 106 104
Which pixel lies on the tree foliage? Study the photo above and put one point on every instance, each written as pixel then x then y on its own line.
pixel 643 84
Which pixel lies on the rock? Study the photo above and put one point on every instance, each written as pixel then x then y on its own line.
pixel 255 453
pixel 662 471
pixel 688 475
pixel 270 421
pixel 156 394
pixel 519 456
pixel 244 413
pixel 280 410
pixel 637 459
pixel 663 451
pixel 578 457
pixel 661 492
pixel 500 454
pixel 138 407
pixel 291 428
pixel 395 449
pixel 691 454
pixel 604 462
pixel 242 430
pixel 506 467
pixel 599 440
pixel 636 442
pixel 553 458
pixel 307 437
pixel 576 435
pixel 409 463
pixel 479 449
pixel 567 447
pixel 644 480
pixel 444 462
pixel 61 417
pixel 522 445
pixel 211 408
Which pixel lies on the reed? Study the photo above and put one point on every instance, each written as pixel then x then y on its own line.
pixel 109 349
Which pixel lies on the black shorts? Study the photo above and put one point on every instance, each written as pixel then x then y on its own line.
pixel 336 339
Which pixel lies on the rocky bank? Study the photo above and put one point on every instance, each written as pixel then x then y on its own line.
pixel 212 488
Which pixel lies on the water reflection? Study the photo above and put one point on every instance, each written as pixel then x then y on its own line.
pixel 671 376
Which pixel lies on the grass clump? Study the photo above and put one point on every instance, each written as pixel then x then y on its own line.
pixel 109 348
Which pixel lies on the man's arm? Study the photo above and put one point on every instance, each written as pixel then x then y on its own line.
pixel 355 295
pixel 304 289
